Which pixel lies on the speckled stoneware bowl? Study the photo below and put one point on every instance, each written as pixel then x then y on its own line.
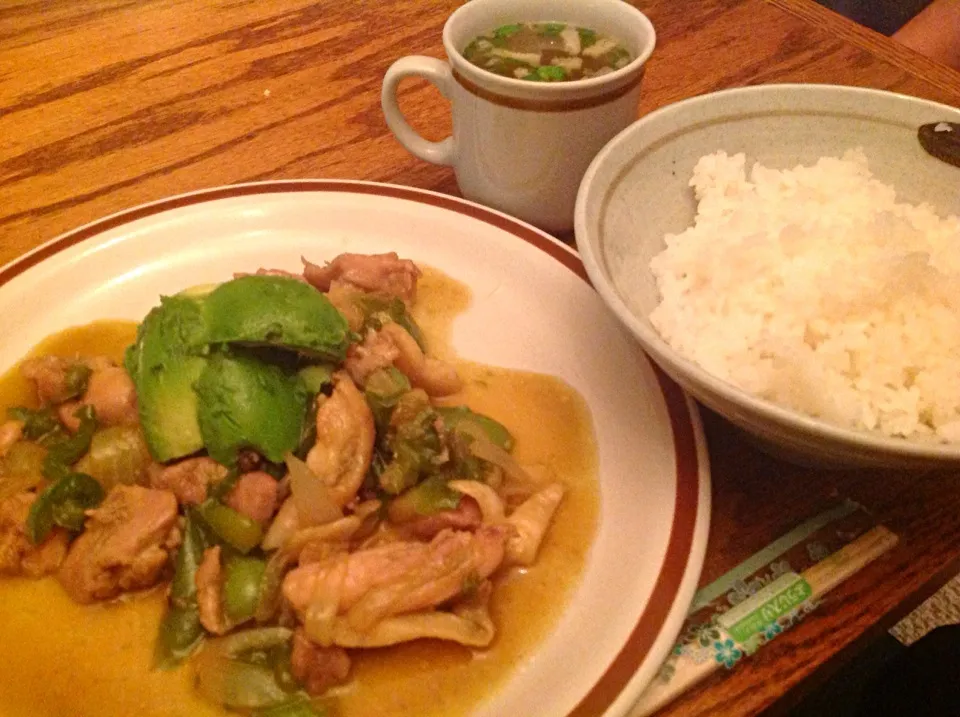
pixel 636 191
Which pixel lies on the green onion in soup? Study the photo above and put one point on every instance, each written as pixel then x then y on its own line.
pixel 546 52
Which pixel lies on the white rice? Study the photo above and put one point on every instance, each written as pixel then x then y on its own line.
pixel 815 289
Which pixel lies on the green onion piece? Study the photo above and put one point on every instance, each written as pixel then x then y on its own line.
pixel 237 530
pixel 37 424
pixel 498 434
pixel 280 657
pixel 435 496
pixel 505 31
pixel 470 50
pixel 383 390
pixel 587 37
pixel 413 444
pixel 236 684
pixel 429 497
pixel 403 471
pixel 61 454
pixel 75 380
pixel 63 503
pixel 377 311
pixel 180 630
pixel 230 670
pixel 78 493
pixel 551 73
pixel 241 587
pixel 308 432
pixel 183 587
pixel 553 28
pixel 180 634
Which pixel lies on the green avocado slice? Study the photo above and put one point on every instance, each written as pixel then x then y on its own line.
pixel 276 311
pixel 165 362
pixel 246 403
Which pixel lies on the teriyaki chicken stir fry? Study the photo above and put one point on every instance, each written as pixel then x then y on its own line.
pixel 284 455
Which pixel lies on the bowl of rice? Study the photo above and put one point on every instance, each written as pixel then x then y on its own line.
pixel 790 255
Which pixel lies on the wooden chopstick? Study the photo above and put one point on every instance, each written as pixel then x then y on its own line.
pixel 821 577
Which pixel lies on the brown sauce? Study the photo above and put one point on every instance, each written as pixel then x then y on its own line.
pixel 60 658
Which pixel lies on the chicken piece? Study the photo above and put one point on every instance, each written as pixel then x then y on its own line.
pixel 254 495
pixel 345 437
pixel 397 577
pixel 18 556
pixel 10 433
pixel 436 377
pixel 318 551
pixel 488 501
pixel 377 351
pixel 124 545
pixel 317 668
pixel 385 274
pixel 111 392
pixel 189 480
pixel 49 375
pixel 209 582
pixel 113 396
pixel 465 516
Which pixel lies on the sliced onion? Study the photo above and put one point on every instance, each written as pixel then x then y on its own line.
pixel 259 638
pixel 314 504
pixel 378 604
pixel 491 506
pixel 285 523
pixel 485 449
pixel 531 520
pixel 473 628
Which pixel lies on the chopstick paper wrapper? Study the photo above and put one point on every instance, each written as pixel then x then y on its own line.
pixel 783 600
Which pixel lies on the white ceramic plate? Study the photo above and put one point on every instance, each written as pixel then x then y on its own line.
pixel 532 309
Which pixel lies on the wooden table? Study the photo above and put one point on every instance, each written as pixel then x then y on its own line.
pixel 108 103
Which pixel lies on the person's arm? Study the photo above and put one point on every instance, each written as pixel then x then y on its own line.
pixel 935 32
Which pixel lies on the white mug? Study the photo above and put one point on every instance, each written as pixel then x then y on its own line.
pixel 522 147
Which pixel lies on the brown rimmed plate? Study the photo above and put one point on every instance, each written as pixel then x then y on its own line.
pixel 532 308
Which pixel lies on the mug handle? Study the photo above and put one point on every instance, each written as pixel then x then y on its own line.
pixel 438 74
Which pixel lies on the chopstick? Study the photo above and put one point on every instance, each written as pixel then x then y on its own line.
pixel 814 582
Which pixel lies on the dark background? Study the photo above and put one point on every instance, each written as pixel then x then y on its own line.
pixel 885 16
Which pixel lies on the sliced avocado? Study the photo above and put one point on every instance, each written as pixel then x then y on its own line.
pixel 277 311
pixel 165 362
pixel 245 403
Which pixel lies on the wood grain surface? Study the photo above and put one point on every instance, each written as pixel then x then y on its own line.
pixel 106 104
